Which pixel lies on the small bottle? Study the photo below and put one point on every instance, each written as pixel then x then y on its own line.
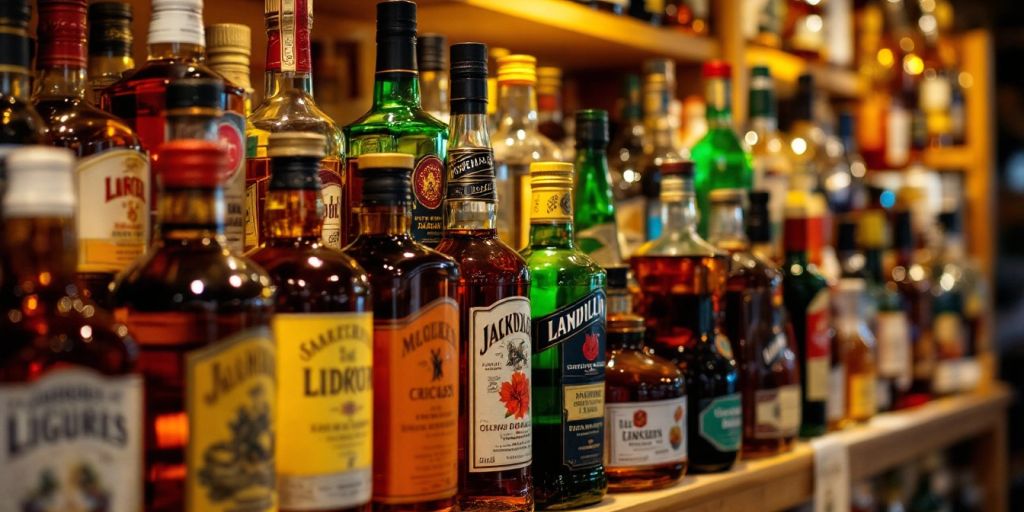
pixel 323 329
pixel 857 344
pixel 957 311
pixel 432 57
pixel 659 139
pixel 568 362
pixel 594 203
pixel 915 286
pixel 112 172
pixel 415 345
pixel 66 364
pixel 211 313
pixel 110 45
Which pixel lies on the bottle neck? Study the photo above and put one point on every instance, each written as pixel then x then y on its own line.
pixel 726 227
pixel 294 211
pixel 278 81
pixel 471 203
pixel 719 105
pixel 396 90
pixel 625 341
pixel 181 52
pixel 517 106
pixel 848 306
pixel 592 165
pixel 193 126
pixel 873 264
pixel 41 253
pixel 657 121
pixel 558 235
pixel 679 212
pixel 386 220
pixel 61 82
pixel 764 125
pixel 549 106
pixel 15 84
pixel 191 213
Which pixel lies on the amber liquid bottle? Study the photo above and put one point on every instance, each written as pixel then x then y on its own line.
pixel 323 329
pixel 495 435
pixel 415 345
pixel 110 45
pixel 201 315
pixel 915 286
pixel 857 350
pixel 112 172
pixel 64 363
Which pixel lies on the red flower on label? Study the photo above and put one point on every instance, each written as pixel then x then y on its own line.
pixel 640 418
pixel 590 347
pixel 515 394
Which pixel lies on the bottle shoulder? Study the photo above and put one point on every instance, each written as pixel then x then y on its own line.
pixel 75 124
pixel 567 264
pixel 162 70
pixel 292 109
pixel 387 257
pixel 483 259
pixel 396 120
pixel 639 368
pixel 283 263
pixel 22 123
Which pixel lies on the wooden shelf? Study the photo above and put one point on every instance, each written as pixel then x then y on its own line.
pixel 786 67
pixel 784 481
pixel 958 158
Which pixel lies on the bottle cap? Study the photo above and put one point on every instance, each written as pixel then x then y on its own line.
pixel 396 37
pixel 61 33
pixel 396 18
pixel 386 178
pixel 663 67
pixel 903 230
pixel 625 323
pixel 233 38
pixel 298 144
pixel 759 223
pixel 40 182
pixel 618 277
pixel 550 174
pixel 680 168
pixel 592 128
pixel 194 95
pixel 469 78
pixel 431 52
pixel 15 13
pixel 762 93
pixel 517 69
pixel 295 160
pixel 110 28
pixel 177 21
pixel 15 50
pixel 716 69
pixel 191 163
pixel 549 81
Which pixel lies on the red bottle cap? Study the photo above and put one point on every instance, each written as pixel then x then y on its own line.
pixel 717 69
pixel 191 164
pixel 61 33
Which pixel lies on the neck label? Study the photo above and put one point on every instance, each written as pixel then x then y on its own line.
pixel 177 26
pixel 471 175
pixel 551 204
pixel 288 45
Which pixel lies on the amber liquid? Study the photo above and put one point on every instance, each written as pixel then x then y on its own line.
pixel 257 180
pixel 859 362
pixel 917 300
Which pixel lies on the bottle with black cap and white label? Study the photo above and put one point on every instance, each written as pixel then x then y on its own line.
pixel 431 50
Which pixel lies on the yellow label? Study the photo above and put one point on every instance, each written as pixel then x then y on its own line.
pixel 551 205
pixel 230 398
pixel 113 213
pixel 325 406
pixel 862 396
pixel 584 402
pixel 522 234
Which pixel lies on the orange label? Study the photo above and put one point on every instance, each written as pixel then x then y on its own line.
pixel 416 405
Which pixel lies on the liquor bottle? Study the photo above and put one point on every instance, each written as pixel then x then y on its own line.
pixel 322 326
pixel 659 140
pixel 288 106
pixel 66 364
pixel 593 201
pixel 397 123
pixel 210 314
pixel 549 107
pixel 110 45
pixel 804 28
pixel 22 124
pixel 951 323
pixel 415 344
pixel 843 181
pixel 494 309
pixel 690 16
pixel 769 382
pixel 568 358
pixel 112 172
pixel 229 51
pixel 763 22
pixel 517 144
pixel 807 299
pixel 624 158
pixel 719 159
pixel 646 10
pixel 645 413
pixel 915 286
pixel 805 146
pixel 682 282
pixel 431 55
pixel 770 164
pixel 176 50
pixel 857 346
pixel 935 93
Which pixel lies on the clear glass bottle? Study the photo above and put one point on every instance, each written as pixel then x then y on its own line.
pixel 432 59
pixel 857 346
pixel 843 181
pixel 110 45
pixel 769 160
pixel 624 159
pixel 659 140
pixel 593 201
pixel 915 286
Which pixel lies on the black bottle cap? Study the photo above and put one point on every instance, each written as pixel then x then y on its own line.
pixel 15 50
pixel 618 277
pixel 195 93
pixel 803 103
pixel 469 78
pixel 110 28
pixel 950 222
pixel 846 236
pixel 15 13
pixel 396 37
pixel 386 179
pixel 902 231
pixel 592 128
pixel 759 223
pixel 430 52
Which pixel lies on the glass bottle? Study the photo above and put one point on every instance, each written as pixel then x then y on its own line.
pixel 517 143
pixel 806 139
pixel 624 158
pixel 935 94
pixel 495 435
pixel 415 398
pixel 594 203
pixel 915 286
pixel 21 123
pixel 770 164
pixel 804 29
pixel 112 172
pixel 110 45
pixel 682 281
pixel 549 108
pixel 754 323
pixel 229 52
pixel 432 58
pixel 568 363
pixel 659 140
pixel 958 307
pixel 763 21
pixel 645 10
pixel 65 364
pixel 857 344
pixel 719 158
pixel 288 105
pixel 210 313
pixel 645 413
pixel 690 16
pixel 396 122
pixel 843 181
pixel 322 327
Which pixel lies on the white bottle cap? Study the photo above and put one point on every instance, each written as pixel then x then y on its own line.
pixel 177 21
pixel 40 182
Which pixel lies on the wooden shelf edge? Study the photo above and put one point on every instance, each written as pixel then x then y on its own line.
pixel 958 158
pixel 786 67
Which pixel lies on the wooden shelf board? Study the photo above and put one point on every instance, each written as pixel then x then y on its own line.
pixel 786 67
pixel 783 481
pixel 959 158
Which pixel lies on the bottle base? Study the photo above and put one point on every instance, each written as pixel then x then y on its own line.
pixel 495 504
pixel 442 505
pixel 644 478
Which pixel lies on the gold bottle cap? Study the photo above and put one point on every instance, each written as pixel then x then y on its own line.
pixel 551 173
pixel 549 80
pixel 550 192
pixel 385 161
pixel 229 38
pixel 871 229
pixel 297 144
pixel 517 69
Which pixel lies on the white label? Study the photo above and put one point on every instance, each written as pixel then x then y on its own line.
pixel 231 132
pixel 897 136
pixel 601 243
pixel 831 475
pixel 500 435
pixel 777 412
pixel 72 440
pixel 113 217
pixel 894 359
pixel 835 407
pixel 645 433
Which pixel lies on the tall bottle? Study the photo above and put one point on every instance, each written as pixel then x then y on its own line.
pixel 958 310
pixel 772 168
pixel 857 347
pixel 288 105
pixel 415 345
pixel 720 161
pixel 211 313
pixel 568 357
pixel 396 122
pixel 915 286
pixel 682 281
pixel 805 146
pixel 495 433
pixel 110 45
pixel 517 144
pixel 593 201
pixel 322 327
pixel 22 124
pixel 112 172
pixel 229 52
pixel 843 181
pixel 755 324
pixel 432 58
pixel 550 115
pixel 659 140
pixel 63 356
pixel 625 153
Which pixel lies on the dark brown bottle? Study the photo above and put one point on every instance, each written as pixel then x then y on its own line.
pixel 914 284
pixel 21 123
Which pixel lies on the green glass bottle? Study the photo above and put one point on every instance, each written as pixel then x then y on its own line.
pixel 567 301
pixel 593 201
pixel 397 123
pixel 720 160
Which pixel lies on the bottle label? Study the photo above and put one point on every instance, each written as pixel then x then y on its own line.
pixel 601 243
pixel 774 349
pixel 113 213
pixel 288 47
pixel 72 439
pixel 777 412
pixel 231 132
pixel 551 205
pixel 257 182
pixel 862 395
pixel 835 407
pixel 416 405
pixel 819 348
pixel 230 400
pixel 428 189
pixel 177 25
pixel 897 136
pixel 948 333
pixel 471 175
pixel 325 407
pixel 646 433
pixel 720 422
pixel 893 335
pixel 330 193
pixel 500 436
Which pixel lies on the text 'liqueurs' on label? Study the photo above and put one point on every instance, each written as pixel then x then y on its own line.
pixel 646 433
